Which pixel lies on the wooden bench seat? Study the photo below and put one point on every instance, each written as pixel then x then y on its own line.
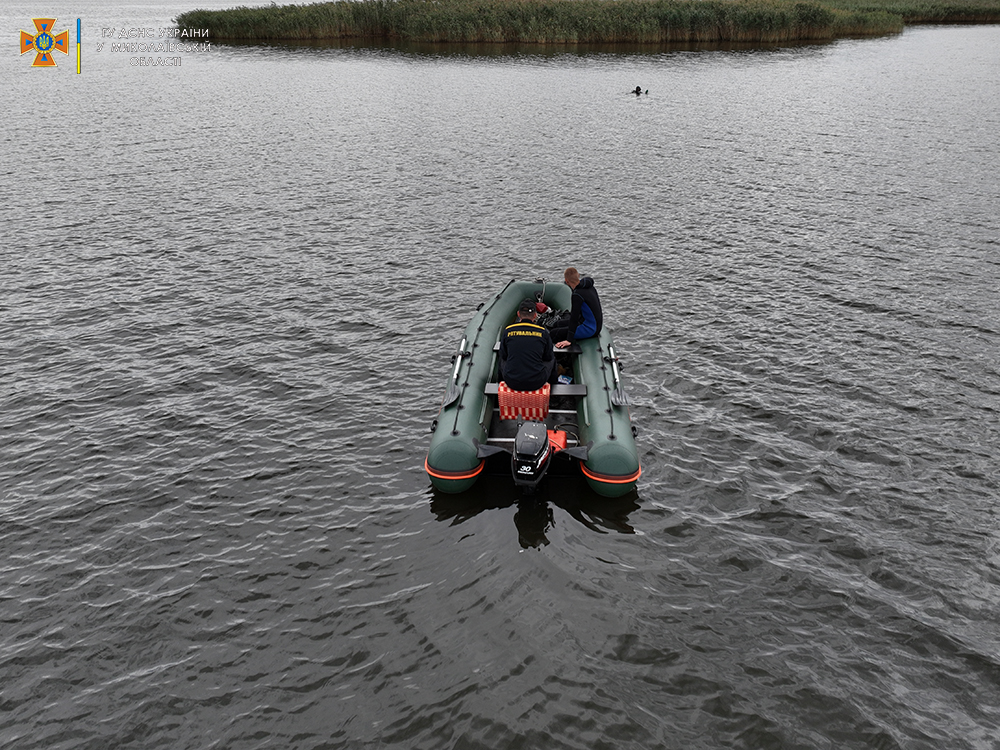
pixel 572 389
pixel 573 348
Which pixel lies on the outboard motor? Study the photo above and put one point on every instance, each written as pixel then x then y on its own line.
pixel 531 455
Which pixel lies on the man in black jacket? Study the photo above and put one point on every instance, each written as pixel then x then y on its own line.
pixel 586 318
pixel 526 359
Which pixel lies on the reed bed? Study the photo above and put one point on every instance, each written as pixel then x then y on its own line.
pixel 925 11
pixel 583 21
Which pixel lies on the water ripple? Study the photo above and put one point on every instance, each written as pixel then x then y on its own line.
pixel 226 330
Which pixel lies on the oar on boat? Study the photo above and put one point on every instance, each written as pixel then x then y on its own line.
pixel 452 393
pixel 618 396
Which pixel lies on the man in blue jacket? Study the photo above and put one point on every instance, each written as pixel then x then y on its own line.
pixel 586 318
pixel 526 359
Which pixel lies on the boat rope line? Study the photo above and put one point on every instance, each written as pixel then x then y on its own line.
pixel 471 352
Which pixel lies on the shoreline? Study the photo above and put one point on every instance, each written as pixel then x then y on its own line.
pixel 567 22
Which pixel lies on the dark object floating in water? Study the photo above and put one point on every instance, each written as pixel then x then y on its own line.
pixel 638 91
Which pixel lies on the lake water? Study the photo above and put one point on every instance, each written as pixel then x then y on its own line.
pixel 231 289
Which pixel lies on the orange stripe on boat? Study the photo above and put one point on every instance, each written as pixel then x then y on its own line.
pixel 611 478
pixel 455 475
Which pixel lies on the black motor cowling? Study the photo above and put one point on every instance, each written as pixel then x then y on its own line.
pixel 531 454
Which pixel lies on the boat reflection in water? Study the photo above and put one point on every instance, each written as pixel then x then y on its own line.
pixel 534 516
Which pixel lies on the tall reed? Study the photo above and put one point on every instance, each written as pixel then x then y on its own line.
pixel 582 21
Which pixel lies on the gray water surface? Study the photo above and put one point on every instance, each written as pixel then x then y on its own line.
pixel 230 292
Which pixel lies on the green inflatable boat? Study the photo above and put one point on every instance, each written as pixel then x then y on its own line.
pixel 588 424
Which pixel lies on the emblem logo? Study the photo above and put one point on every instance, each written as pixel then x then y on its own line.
pixel 43 42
